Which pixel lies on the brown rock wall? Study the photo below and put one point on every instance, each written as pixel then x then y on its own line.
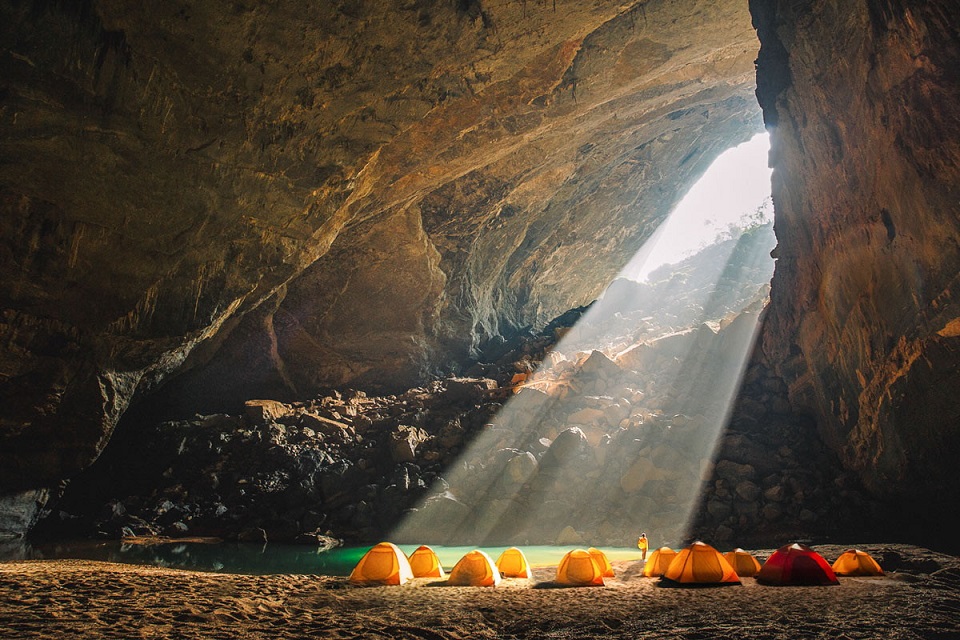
pixel 866 152
pixel 528 195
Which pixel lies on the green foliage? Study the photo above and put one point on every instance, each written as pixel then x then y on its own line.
pixel 750 221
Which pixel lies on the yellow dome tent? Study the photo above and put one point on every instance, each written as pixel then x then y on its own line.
pixel 425 564
pixel 743 563
pixel 606 569
pixel 854 562
pixel 513 564
pixel 384 563
pixel 578 568
pixel 700 564
pixel 658 562
pixel 475 569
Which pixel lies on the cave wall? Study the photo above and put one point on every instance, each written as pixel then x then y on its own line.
pixel 530 205
pixel 323 192
pixel 863 100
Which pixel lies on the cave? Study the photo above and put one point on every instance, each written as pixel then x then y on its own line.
pixel 240 225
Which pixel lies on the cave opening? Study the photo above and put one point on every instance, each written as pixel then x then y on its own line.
pixel 615 431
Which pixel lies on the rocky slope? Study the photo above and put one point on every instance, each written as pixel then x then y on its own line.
pixel 283 197
pixel 864 99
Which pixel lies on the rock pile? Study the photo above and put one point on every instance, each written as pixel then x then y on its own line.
pixel 344 465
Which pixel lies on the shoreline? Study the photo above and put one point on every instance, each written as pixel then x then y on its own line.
pixel 79 598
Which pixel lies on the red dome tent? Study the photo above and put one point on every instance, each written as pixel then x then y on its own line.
pixel 796 564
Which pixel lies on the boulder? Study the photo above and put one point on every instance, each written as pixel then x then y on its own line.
pixel 733 472
pixel 530 402
pixel 405 441
pixel 567 445
pixel 521 467
pixel 598 364
pixel 637 357
pixel 774 493
pixel 469 389
pixel 748 490
pixel 719 509
pixel 440 518
pixel 320 541
pixel 616 413
pixel 263 411
pixel 327 426
pixel 567 536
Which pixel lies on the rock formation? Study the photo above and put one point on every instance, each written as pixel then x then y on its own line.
pixel 286 197
pixel 864 103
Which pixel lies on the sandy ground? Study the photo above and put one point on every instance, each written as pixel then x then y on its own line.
pixel 83 599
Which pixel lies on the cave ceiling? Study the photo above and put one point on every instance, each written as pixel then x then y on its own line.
pixel 286 196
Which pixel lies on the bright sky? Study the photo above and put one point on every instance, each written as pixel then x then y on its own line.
pixel 736 184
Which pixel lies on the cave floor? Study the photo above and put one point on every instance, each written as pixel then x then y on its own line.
pixel 79 599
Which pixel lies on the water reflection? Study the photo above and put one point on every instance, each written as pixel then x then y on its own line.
pixel 227 557
pixel 219 557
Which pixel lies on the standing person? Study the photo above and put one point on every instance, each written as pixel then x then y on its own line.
pixel 642 545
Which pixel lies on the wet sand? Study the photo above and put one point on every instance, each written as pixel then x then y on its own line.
pixel 65 599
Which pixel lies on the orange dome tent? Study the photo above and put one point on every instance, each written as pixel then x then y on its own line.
pixel 854 562
pixel 796 564
pixel 475 569
pixel 513 564
pixel 658 562
pixel 700 564
pixel 384 563
pixel 606 569
pixel 742 562
pixel 425 564
pixel 578 568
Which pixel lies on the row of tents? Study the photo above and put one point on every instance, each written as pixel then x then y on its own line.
pixel 385 563
pixel 792 564
pixel 697 564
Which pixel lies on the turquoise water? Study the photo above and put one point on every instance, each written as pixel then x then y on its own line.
pixel 268 559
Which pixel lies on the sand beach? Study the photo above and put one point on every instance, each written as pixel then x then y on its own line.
pixel 918 598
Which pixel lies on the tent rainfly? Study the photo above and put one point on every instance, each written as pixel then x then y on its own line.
pixel 699 564
pixel 578 568
pixel 606 569
pixel 513 564
pixel 854 562
pixel 742 562
pixel 425 564
pixel 796 564
pixel 475 569
pixel 384 563
pixel 658 562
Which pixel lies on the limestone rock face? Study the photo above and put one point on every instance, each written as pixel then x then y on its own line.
pixel 278 197
pixel 864 101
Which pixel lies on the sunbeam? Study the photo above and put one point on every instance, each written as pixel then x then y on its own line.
pixel 614 432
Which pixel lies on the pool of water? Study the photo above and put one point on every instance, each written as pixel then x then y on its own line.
pixel 260 559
